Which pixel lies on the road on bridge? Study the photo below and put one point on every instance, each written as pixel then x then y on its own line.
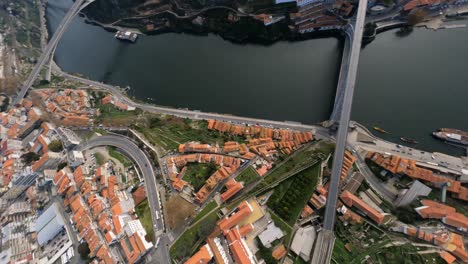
pixel 48 50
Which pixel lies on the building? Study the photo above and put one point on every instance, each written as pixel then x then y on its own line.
pixel 49 224
pixel 203 256
pixel 353 201
pixel 270 234
pixel 49 160
pixel 279 252
pixel 68 137
pixel 233 187
pixel 20 184
pixel 447 214
pixel 244 210
pixel 303 242
pixel 75 158
pixel 416 190
pixel 397 165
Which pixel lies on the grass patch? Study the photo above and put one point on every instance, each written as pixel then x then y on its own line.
pixel 377 246
pixel 111 116
pixel 306 156
pixel 290 197
pixel 192 238
pixel 406 254
pixel 208 208
pixel 119 156
pixel 340 254
pixel 264 253
pixel 144 214
pixel 299 260
pixel 247 176
pixel 197 173
pixel 301 158
pixel 99 158
pixel 168 132
pixel 287 229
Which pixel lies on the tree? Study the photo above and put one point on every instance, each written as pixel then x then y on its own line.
pixel 83 250
pixel 29 157
pixel 5 104
pixel 61 166
pixel 369 29
pixel 55 146
pixel 155 122
pixel 416 16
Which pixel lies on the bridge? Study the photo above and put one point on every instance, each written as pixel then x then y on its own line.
pixel 47 53
pixel 342 112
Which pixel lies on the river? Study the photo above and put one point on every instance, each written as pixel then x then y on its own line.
pixel 407 85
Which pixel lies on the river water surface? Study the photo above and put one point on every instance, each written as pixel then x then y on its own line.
pixel 407 85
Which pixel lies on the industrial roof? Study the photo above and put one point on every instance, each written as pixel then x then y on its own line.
pixel 49 224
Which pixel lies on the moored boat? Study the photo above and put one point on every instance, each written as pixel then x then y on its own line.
pixel 381 130
pixel 126 35
pixel 408 140
pixel 452 135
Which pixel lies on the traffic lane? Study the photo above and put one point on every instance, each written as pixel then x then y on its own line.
pixel 374 182
pixel 150 180
pixel 142 161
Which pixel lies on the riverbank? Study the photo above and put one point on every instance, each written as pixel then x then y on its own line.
pixel 409 95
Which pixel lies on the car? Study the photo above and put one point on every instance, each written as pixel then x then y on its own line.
pixel 399 146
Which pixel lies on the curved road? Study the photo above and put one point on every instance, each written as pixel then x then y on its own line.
pixel 131 150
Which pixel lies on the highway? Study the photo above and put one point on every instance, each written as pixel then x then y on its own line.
pixel 131 150
pixel 47 52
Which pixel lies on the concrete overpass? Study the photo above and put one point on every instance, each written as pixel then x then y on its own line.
pixel 48 51
pixel 342 112
pixel 143 164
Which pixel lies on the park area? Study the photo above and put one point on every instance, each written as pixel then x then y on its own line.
pixel 191 240
pixel 169 132
pixel 290 196
pixel 144 214
pixel 247 176
pixel 198 173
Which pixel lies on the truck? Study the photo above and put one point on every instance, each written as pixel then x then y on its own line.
pixel 157 242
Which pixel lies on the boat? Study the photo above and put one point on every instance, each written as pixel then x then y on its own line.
pixel 408 140
pixel 452 135
pixel 381 130
pixel 126 36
